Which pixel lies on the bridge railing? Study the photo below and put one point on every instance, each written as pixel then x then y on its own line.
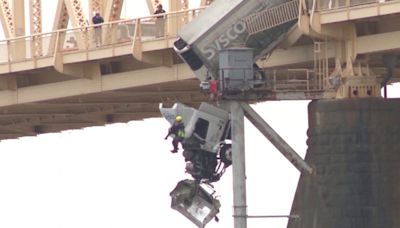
pixel 233 80
pixel 3 51
pixel 336 4
pixel 109 34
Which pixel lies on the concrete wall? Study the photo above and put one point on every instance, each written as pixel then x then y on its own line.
pixel 354 144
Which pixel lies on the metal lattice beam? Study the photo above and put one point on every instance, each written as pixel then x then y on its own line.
pixel 77 19
pixel 95 6
pixel 36 16
pixel 75 12
pixel 6 18
pixel 113 10
pixel 36 25
pixel 61 19
pixel 112 13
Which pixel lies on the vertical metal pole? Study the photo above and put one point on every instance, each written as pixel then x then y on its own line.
pixel 385 91
pixel 238 166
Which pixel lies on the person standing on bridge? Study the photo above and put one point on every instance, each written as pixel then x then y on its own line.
pixel 159 21
pixel 97 20
pixel 178 131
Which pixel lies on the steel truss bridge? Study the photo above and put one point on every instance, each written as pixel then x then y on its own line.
pixel 61 80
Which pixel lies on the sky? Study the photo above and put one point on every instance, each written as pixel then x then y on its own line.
pixel 120 175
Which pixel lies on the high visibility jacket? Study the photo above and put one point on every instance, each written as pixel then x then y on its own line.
pixel 178 128
pixel 181 133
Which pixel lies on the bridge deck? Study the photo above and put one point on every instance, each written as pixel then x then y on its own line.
pixel 69 83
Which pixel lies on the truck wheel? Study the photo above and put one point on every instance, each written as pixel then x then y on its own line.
pixel 226 154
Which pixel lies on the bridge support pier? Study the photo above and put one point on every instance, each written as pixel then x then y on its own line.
pixel 354 145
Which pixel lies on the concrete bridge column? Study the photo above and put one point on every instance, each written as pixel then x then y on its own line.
pixel 354 145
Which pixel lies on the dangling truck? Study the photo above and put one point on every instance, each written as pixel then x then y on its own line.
pixel 257 24
pixel 207 153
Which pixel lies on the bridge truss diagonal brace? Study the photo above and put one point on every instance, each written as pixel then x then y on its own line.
pixel 6 18
pixel 62 17
pixel 75 12
pixel 276 139
pixel 112 11
pixel 95 6
pixel 77 18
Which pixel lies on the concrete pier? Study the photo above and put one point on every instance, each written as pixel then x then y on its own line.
pixel 354 145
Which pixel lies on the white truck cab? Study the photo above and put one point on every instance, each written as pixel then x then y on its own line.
pixel 206 143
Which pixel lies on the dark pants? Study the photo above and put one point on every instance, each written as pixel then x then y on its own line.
pixel 176 141
pixel 97 36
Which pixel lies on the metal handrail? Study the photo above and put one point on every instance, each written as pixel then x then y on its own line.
pixel 107 23
pixel 84 36
pixel 340 4
pixel 272 17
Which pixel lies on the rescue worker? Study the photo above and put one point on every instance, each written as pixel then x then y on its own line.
pixel 178 130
